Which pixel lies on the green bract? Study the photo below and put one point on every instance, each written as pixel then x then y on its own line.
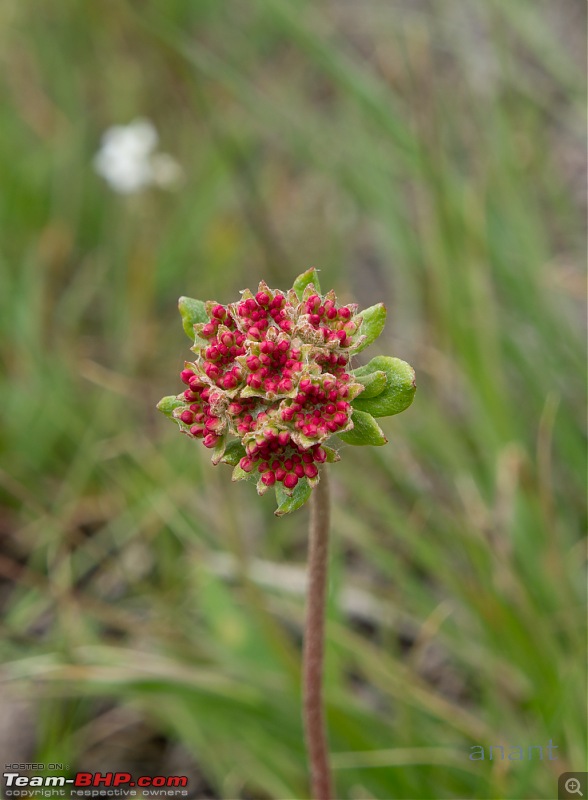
pixel 288 503
pixel 193 312
pixel 365 431
pixel 373 320
pixel 397 393
pixel 306 279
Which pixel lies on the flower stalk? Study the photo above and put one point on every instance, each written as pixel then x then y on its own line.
pixel 314 636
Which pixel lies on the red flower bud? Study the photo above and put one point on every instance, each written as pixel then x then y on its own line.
pixel 269 478
pixel 320 455
pixel 310 470
pixel 262 298
pixel 230 381
pixel 313 303
pixel 290 481
pixel 254 381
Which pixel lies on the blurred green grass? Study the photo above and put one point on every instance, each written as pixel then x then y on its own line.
pixel 426 155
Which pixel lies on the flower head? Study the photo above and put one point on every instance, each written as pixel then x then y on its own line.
pixel 272 382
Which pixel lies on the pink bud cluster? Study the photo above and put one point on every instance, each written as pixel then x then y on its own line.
pixel 273 366
pixel 197 416
pixel 224 345
pixel 271 370
pixel 279 459
pixel 320 408
pixel 334 324
pixel 257 314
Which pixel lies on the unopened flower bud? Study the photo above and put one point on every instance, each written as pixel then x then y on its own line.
pixel 269 478
pixel 290 481
pixel 262 298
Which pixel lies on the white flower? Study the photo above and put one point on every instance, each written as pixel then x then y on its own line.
pixel 128 162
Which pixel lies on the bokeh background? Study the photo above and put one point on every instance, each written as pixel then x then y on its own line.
pixel 430 155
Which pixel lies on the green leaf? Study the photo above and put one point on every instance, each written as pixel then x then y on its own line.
pixel 365 431
pixel 373 383
pixel 398 393
pixel 167 406
pixel 219 449
pixel 290 502
pixel 193 312
pixel 240 474
pixel 373 320
pixel 332 455
pixel 234 452
pixel 302 281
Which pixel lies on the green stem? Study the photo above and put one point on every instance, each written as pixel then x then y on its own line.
pixel 314 723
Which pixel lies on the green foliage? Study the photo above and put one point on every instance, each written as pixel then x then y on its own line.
pixel 365 431
pixel 293 500
pixel 373 320
pixel 304 280
pixel 234 452
pixel 137 581
pixel 374 383
pixel 167 405
pixel 397 393
pixel 193 312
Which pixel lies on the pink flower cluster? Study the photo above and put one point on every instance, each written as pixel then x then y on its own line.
pixel 271 370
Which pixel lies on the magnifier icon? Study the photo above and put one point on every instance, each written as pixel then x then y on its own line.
pixel 572 786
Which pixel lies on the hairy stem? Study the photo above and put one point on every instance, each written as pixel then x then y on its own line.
pixel 314 723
